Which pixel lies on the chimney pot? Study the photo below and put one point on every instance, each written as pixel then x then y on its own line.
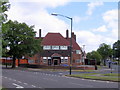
pixel 67 34
pixel 39 33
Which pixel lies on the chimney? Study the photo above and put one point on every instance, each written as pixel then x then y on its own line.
pixel 73 36
pixel 39 33
pixel 67 34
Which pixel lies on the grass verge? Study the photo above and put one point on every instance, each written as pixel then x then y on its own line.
pixel 106 77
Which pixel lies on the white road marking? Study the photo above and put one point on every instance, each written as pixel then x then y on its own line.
pixel 18 86
pixel 82 85
pixel 25 83
pixel 5 77
pixel 50 79
pixel 33 85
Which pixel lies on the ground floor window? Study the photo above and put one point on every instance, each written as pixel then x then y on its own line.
pixel 64 59
pixel 78 61
pixel 44 59
pixel 31 61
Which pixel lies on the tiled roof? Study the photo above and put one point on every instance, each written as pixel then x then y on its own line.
pixel 75 45
pixel 54 39
pixel 58 39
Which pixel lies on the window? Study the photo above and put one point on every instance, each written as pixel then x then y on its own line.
pixel 31 61
pixel 49 57
pixel 77 61
pixel 63 47
pixel 55 47
pixel 78 52
pixel 46 47
pixel 66 59
pixel 44 59
pixel 62 59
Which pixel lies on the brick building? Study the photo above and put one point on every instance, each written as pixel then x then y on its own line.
pixel 56 50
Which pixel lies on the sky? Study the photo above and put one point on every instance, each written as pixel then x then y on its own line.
pixel 94 22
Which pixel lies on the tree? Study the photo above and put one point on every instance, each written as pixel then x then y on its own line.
pixel 116 50
pixel 105 51
pixel 94 55
pixel 21 40
pixel 4 6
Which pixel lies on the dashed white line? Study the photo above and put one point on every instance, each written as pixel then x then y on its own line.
pixel 25 83
pixel 18 86
pixel 82 85
pixel 33 85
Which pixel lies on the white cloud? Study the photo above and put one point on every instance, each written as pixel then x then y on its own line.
pixel 101 29
pixel 111 19
pixel 92 6
pixel 44 3
pixel 36 14
pixel 76 19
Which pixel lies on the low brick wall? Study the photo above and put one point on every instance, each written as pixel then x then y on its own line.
pixel 62 67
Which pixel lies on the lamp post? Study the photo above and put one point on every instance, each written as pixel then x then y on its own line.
pixel 70 39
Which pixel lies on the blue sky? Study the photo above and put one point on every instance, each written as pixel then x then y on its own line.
pixel 93 22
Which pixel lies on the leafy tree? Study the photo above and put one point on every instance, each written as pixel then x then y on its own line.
pixel 116 50
pixel 105 51
pixel 94 55
pixel 21 40
pixel 4 6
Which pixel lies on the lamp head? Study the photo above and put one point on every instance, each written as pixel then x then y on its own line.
pixel 54 14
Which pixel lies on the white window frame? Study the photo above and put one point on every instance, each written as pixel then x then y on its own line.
pixel 77 60
pixel 55 48
pixel 63 47
pixel 46 47
pixel 78 52
pixel 62 59
pixel 44 59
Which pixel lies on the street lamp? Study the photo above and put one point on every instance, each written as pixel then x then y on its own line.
pixel 70 39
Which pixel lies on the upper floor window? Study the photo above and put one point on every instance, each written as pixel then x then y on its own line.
pixel 78 52
pixel 55 47
pixel 46 47
pixel 63 47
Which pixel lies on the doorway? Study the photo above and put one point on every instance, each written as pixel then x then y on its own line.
pixel 55 61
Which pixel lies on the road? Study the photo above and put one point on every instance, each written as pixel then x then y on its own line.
pixel 13 78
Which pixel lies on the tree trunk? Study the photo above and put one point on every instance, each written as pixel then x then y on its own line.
pixel 13 63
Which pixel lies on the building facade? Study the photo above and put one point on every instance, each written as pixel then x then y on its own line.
pixel 56 50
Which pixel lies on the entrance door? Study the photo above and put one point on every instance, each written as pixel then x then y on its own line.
pixel 49 61
pixel 55 61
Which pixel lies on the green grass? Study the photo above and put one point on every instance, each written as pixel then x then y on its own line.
pixel 112 74
pixel 109 77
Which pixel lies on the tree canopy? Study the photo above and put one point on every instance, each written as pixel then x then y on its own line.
pixel 20 39
pixel 4 6
pixel 116 49
pixel 105 51
pixel 95 56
